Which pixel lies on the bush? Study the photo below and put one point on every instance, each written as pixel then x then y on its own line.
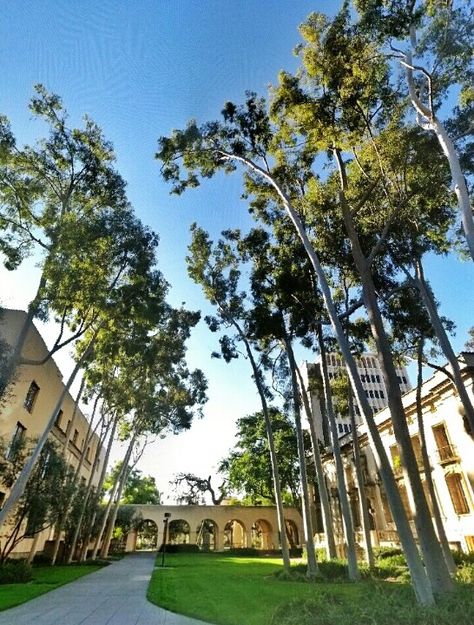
pixel 387 605
pixel 381 553
pixel 182 548
pixel 331 570
pixel 42 559
pixel 463 558
pixel 465 573
pixel 244 552
pixel 334 570
pixel 15 572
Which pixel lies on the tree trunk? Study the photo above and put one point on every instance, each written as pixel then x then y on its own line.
pixel 430 305
pixel 341 482
pixel 99 487
pixel 448 556
pixel 431 122
pixel 271 446
pixel 121 483
pixel 62 519
pixel 85 502
pixel 313 569
pixel 19 486
pixel 33 548
pixel 70 426
pixel 323 492
pixel 419 578
pixel 364 512
pixel 436 569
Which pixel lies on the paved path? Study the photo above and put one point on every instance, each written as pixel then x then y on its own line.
pixel 114 595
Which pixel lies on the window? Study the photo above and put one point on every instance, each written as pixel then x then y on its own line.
pixel 2 499
pixel 75 436
pixel 457 493
pixel 372 377
pixel 59 416
pixel 371 394
pixel 31 396
pixel 446 451
pixel 382 395
pixel 340 428
pixel 88 453
pixel 15 442
pixel 377 377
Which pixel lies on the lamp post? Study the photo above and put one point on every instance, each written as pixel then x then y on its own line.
pixel 165 534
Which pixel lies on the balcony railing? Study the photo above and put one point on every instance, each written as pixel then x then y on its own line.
pixel 447 453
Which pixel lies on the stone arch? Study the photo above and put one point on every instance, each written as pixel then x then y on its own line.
pixel 235 535
pixel 206 535
pixel 292 533
pixel 147 535
pixel 261 534
pixel 179 532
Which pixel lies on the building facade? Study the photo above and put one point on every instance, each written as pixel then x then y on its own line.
pixel 370 371
pixel 450 446
pixel 27 407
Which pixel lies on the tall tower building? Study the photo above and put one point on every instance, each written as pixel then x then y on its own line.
pixel 370 372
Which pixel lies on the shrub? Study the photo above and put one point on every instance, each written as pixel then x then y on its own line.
pixel 182 548
pixel 15 572
pixel 334 570
pixel 381 553
pixel 463 558
pixel 42 559
pixel 244 552
pixel 465 573
pixel 388 605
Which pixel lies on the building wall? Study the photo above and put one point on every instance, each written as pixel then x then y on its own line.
pixel 221 516
pixel 450 447
pixel 48 378
pixel 372 380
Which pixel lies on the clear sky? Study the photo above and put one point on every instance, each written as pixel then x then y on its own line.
pixel 140 69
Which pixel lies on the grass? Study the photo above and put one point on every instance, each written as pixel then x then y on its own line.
pixel 45 578
pixel 226 590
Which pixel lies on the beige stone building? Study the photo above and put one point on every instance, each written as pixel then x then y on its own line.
pixel 214 528
pixel 450 445
pixel 30 401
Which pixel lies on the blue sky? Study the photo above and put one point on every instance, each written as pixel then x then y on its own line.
pixel 140 69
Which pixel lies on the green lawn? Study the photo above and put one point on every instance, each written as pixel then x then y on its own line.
pixel 242 591
pixel 228 590
pixel 45 578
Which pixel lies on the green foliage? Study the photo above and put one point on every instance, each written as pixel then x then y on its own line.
pixel 247 467
pixel 40 504
pixel 181 548
pixel 138 489
pixel 15 572
pixel 465 573
pixel 387 606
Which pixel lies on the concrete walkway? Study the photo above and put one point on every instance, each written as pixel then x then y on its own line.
pixel 114 595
